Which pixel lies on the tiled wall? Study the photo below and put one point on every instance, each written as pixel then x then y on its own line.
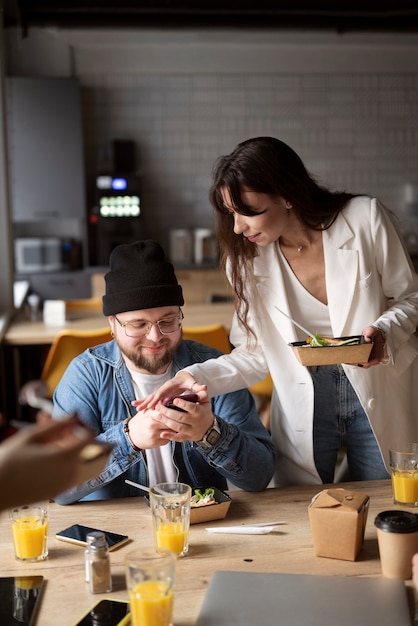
pixel 347 103
pixel 354 131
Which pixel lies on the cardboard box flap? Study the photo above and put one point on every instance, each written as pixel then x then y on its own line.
pixel 329 498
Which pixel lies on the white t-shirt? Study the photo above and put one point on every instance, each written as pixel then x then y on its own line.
pixel 159 460
pixel 306 309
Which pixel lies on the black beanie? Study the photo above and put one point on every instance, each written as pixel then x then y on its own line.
pixel 140 277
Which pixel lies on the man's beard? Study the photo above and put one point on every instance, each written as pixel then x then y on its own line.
pixel 152 364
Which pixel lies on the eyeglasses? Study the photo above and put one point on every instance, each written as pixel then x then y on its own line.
pixel 142 329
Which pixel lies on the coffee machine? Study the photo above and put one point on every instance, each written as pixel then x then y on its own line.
pixel 116 217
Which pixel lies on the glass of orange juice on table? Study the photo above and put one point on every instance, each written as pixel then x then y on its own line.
pixel 30 531
pixel 404 474
pixel 170 506
pixel 150 581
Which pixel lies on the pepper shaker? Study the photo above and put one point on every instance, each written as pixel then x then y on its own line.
pixel 97 562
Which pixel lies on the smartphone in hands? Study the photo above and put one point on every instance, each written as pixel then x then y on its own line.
pixel 189 397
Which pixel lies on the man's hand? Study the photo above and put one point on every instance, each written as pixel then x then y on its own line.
pixel 154 427
pixel 187 425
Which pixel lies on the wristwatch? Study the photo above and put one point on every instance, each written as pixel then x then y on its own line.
pixel 212 435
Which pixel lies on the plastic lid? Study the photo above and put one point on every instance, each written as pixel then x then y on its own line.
pixel 397 522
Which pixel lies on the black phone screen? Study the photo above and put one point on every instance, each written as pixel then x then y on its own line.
pixel 78 534
pixel 19 599
pixel 105 613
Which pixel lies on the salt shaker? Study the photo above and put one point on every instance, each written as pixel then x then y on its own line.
pixel 98 563
pixel 91 538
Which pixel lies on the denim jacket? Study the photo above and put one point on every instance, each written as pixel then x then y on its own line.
pixel 97 386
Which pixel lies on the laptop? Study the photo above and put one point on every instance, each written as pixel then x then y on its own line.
pixel 265 599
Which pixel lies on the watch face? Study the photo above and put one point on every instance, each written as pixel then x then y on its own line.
pixel 213 437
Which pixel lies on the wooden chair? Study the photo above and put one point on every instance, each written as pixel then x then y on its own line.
pixel 216 336
pixel 67 345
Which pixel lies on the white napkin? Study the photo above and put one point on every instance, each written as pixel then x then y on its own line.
pixel 242 530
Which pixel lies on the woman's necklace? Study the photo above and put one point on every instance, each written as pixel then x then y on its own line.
pixel 299 247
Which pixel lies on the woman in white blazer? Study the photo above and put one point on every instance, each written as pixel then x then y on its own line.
pixel 335 263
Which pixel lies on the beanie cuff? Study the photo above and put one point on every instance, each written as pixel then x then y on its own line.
pixel 143 298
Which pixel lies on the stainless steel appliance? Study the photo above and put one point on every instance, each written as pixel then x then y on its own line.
pixel 46 254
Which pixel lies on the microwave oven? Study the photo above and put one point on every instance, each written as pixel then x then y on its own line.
pixel 43 254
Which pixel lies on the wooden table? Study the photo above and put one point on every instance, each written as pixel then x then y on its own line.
pixel 22 332
pixel 287 550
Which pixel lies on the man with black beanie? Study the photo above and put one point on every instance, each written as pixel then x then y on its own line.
pixel 209 442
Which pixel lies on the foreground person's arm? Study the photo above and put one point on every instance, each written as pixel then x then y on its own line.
pixel 40 461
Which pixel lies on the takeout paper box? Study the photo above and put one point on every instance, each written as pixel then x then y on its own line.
pixel 338 520
pixel 209 512
pixel 332 355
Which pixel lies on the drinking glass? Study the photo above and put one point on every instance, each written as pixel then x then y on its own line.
pixel 170 506
pixel 404 475
pixel 30 531
pixel 150 581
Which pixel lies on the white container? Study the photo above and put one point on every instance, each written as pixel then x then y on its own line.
pixel 204 246
pixel 54 312
pixel 181 248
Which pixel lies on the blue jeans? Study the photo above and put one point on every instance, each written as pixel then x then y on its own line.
pixel 340 421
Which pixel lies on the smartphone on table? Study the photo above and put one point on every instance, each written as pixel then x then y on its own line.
pixel 189 397
pixel 77 534
pixel 107 613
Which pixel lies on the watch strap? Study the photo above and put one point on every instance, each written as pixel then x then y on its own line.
pixel 212 435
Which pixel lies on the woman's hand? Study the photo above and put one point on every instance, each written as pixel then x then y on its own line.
pixel 371 333
pixel 182 381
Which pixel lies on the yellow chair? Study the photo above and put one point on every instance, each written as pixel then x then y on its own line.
pixel 216 336
pixel 88 304
pixel 263 392
pixel 67 345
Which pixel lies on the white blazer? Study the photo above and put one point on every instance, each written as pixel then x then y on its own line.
pixel 370 280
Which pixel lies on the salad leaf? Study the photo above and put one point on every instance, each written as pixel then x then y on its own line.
pixel 209 492
pixel 319 342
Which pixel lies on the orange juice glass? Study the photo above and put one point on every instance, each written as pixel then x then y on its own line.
pixel 170 506
pixel 404 474
pixel 171 536
pixel 150 581
pixel 405 487
pixel 30 532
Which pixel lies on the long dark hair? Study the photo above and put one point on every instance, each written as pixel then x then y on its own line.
pixel 265 165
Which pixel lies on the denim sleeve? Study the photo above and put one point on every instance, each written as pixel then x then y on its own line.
pixel 122 458
pixel 76 393
pixel 245 453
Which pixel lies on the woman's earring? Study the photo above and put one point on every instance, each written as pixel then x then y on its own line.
pixel 289 205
